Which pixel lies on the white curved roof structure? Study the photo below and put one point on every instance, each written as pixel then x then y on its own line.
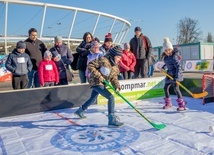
pixel 18 16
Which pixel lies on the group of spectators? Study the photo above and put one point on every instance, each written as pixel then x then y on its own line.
pixel 33 65
pixel 135 58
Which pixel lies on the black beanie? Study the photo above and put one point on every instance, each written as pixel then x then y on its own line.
pixel 116 51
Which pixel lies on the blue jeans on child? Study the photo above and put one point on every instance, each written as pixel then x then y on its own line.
pixel 96 90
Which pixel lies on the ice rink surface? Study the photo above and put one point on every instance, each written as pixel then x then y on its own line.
pixel 60 132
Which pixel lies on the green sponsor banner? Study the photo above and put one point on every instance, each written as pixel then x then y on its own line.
pixel 153 87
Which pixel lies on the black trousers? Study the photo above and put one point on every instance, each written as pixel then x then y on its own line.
pixel 141 68
pixel 20 82
pixel 176 89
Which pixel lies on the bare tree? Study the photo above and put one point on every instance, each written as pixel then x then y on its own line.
pixel 188 31
pixel 209 37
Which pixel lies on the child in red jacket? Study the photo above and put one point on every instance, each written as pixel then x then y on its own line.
pixel 48 73
pixel 127 62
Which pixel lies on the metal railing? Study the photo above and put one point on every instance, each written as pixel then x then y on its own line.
pixel 73 27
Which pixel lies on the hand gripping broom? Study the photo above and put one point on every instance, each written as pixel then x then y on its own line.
pixel 199 95
pixel 156 126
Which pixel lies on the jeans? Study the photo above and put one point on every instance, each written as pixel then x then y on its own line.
pixel 120 76
pixel 96 90
pixel 33 79
pixel 82 76
pixel 151 70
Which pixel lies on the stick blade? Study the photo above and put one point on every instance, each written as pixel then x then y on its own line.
pixel 200 95
pixel 158 126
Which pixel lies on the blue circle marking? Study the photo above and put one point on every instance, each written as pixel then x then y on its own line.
pixel 189 65
pixel 94 138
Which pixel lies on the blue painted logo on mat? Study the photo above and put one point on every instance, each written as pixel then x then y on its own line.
pixel 94 138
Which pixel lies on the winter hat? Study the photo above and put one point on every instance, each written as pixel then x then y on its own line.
pixel 108 38
pixel 21 44
pixel 47 53
pixel 167 44
pixel 137 29
pixel 116 51
pixel 126 46
pixel 95 44
pixel 57 39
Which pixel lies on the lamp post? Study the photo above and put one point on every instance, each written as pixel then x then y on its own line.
pixel 59 24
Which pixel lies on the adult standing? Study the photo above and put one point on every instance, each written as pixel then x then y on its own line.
pixel 35 48
pixel 141 46
pixel 83 50
pixel 63 58
pixel 108 44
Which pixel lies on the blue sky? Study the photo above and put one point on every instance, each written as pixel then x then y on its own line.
pixel 160 17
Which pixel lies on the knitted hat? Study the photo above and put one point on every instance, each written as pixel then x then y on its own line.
pixel 116 51
pixel 21 44
pixel 95 44
pixel 167 44
pixel 47 53
pixel 57 39
pixel 137 29
pixel 126 46
pixel 108 38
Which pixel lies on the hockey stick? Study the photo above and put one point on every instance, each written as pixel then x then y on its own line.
pixel 156 126
pixel 199 95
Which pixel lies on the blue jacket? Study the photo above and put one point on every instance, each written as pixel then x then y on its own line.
pixel 18 63
pixel 173 64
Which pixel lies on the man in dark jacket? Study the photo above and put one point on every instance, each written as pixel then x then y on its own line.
pixel 35 49
pixel 19 64
pixel 141 46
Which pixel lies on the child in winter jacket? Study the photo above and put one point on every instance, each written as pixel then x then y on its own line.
pixel 127 62
pixel 48 73
pixel 95 53
pixel 19 64
pixel 172 62
pixel 104 68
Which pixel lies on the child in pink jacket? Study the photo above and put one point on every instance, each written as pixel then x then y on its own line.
pixel 48 73
pixel 127 62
